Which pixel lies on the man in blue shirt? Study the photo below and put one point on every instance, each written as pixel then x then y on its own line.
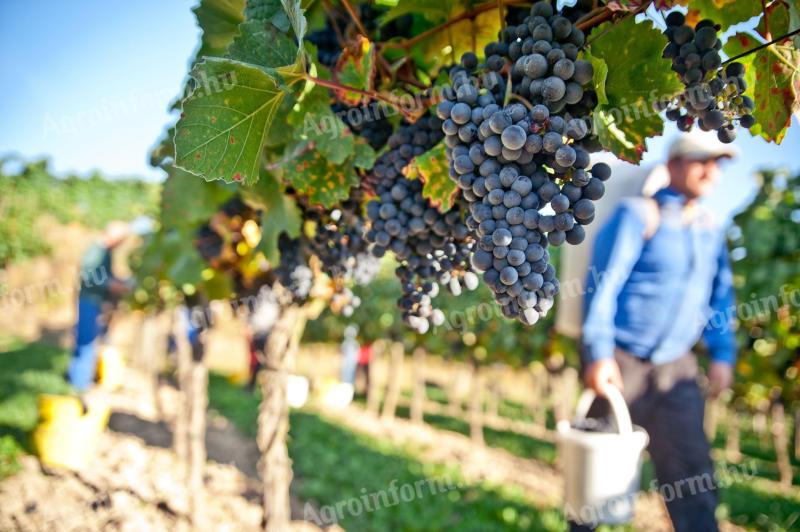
pixel 659 281
pixel 97 286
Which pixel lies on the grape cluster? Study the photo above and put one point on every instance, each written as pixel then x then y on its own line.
pixel 714 96
pixel 216 240
pixel 293 271
pixel 511 161
pixel 369 123
pixel 431 247
pixel 339 242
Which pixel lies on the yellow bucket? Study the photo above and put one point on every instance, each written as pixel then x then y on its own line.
pixel 66 436
pixel 110 368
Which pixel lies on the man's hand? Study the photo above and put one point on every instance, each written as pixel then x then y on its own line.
pixel 117 287
pixel 720 378
pixel 602 373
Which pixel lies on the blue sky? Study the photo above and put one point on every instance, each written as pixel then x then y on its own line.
pixel 88 83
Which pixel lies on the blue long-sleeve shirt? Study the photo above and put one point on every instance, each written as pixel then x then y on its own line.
pixel 655 297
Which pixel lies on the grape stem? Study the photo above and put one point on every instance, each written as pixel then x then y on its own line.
pixel 355 17
pixel 762 46
pixel 522 100
pixel 596 21
pixel 368 93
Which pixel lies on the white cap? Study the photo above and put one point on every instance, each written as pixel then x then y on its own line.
pixel 700 146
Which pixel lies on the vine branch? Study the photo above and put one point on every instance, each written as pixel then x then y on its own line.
pixel 355 17
pixel 368 93
pixel 762 46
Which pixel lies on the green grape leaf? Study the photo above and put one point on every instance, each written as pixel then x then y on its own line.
pixel 599 77
pixel 794 20
pixel 218 285
pixel 777 16
pixel 724 12
pixel 180 262
pixel 313 120
pixel 219 20
pixel 296 17
pixel 325 183
pixel 772 83
pixel 260 43
pixel 636 78
pixel 433 168
pixel 269 11
pixel 281 214
pixel 356 68
pixel 225 119
pixel 363 154
pixel 187 203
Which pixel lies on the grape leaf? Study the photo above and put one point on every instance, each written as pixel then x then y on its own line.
pixel 356 68
pixel 225 119
pixel 187 203
pixel 724 12
pixel 313 120
pixel 778 17
pixel 794 20
pixel 637 77
pixel 281 214
pixel 433 168
pixel 260 43
pixel 219 21
pixel 324 182
pixel 772 84
pixel 296 18
pixel 363 155
pixel 268 10
pixel 451 43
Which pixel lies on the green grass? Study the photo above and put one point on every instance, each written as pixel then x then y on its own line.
pixel 26 370
pixel 334 464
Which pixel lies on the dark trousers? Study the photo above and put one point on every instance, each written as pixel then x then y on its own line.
pixel 667 402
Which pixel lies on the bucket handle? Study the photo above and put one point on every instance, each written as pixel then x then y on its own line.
pixel 618 407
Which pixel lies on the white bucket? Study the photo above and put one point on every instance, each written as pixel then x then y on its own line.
pixel 601 469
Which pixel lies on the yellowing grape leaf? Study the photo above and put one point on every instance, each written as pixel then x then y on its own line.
pixel 356 68
pixel 773 83
pixel 323 182
pixel 723 12
pixel 433 168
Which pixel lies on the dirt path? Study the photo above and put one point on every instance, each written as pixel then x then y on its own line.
pixel 135 482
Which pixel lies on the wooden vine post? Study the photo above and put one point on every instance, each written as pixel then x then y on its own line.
pixel 733 436
pixel 797 433
pixel 476 404
pixel 394 380
pixel 273 416
pixel 189 429
pixel 418 395
pixel 373 390
pixel 780 437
